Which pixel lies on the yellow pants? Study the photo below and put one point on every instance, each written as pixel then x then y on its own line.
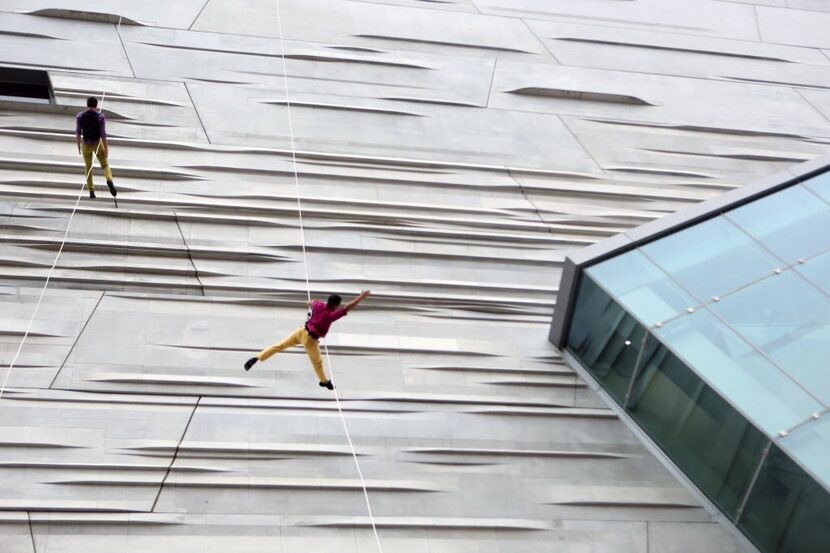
pixel 88 150
pixel 312 348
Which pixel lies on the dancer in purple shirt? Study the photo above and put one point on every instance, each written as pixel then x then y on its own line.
pixel 316 327
pixel 92 126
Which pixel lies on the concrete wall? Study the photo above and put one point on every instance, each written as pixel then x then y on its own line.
pixel 450 154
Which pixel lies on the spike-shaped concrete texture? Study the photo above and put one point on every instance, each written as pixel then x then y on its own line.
pixel 450 154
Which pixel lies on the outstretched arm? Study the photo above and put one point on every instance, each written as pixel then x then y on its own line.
pixel 352 304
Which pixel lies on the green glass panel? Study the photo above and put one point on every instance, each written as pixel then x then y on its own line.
pixel 817 271
pixel 789 320
pixel 604 338
pixel 768 397
pixel 810 445
pixel 787 511
pixel 792 223
pixel 716 447
pixel 641 287
pixel 690 254
pixel 820 184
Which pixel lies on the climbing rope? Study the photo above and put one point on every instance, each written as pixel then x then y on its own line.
pixel 293 152
pixel 60 249
pixel 307 285
pixel 354 453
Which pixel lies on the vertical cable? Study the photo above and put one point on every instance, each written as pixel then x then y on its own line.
pixel 293 151
pixel 308 288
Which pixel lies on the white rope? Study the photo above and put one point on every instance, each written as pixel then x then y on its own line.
pixel 293 152
pixel 354 454
pixel 60 249
pixel 308 287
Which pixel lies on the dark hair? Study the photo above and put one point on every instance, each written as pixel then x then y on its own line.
pixel 334 300
pixel 92 102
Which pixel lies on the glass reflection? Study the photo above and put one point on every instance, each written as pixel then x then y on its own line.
pixel 771 399
pixel 792 223
pixel 639 285
pixel 820 184
pixel 690 255
pixel 787 511
pixel 710 441
pixel 817 271
pixel 789 320
pixel 605 338
pixel 810 444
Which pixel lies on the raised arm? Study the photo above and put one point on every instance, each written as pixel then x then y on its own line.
pixel 352 304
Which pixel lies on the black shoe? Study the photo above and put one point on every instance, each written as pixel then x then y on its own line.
pixel 250 363
pixel 92 194
pixel 113 191
pixel 327 384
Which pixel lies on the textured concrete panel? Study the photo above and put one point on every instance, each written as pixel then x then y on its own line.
pixel 15 532
pixel 702 17
pixel 371 73
pixel 668 537
pixel 77 452
pixel 796 27
pixel 180 14
pixel 655 99
pixel 38 42
pixel 52 335
pixel 349 125
pixel 653 51
pixel 450 155
pixel 374 24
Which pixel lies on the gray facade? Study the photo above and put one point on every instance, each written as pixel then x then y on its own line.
pixel 450 156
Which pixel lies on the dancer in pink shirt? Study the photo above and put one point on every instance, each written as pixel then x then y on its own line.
pixel 316 327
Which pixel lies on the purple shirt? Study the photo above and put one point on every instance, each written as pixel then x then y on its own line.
pixel 102 125
pixel 322 317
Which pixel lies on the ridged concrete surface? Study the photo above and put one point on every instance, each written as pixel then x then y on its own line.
pixel 449 154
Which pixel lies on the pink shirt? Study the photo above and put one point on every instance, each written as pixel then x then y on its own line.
pixel 322 317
